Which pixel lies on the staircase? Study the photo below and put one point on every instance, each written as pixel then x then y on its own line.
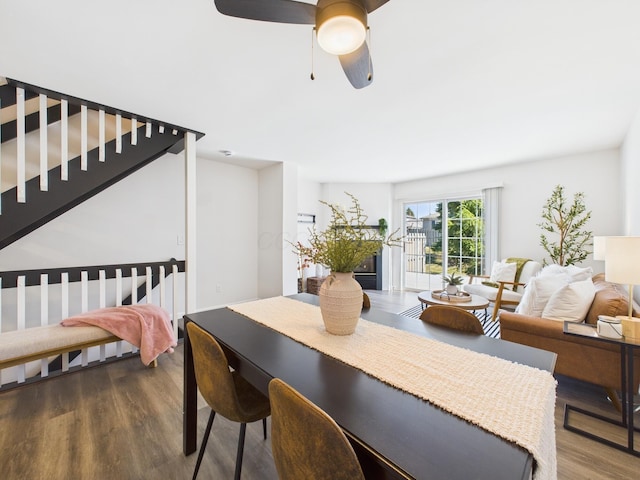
pixel 57 151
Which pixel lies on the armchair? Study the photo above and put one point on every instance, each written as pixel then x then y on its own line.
pixel 504 287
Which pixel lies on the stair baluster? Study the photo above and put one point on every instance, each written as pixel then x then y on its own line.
pixel 21 147
pixel 64 140
pixel 44 153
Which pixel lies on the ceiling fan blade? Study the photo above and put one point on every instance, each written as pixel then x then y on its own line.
pixel 371 5
pixel 358 66
pixel 281 11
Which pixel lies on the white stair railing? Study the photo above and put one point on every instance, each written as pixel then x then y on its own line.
pixel 33 154
pixel 25 303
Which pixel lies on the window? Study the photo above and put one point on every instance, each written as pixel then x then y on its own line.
pixel 430 244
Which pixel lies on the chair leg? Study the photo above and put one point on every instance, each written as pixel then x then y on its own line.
pixel 615 400
pixel 204 443
pixel 264 427
pixel 243 429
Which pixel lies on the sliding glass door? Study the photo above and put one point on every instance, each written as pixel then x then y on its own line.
pixel 423 244
pixel 433 246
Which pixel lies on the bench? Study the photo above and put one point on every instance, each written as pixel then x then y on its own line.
pixel 22 346
pixel 59 292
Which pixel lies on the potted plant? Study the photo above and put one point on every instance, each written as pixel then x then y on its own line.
pixel 566 223
pixel 452 282
pixel 383 226
pixel 342 246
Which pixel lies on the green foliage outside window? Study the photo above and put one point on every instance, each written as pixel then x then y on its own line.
pixel 465 230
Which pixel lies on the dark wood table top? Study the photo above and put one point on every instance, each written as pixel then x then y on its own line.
pixel 393 432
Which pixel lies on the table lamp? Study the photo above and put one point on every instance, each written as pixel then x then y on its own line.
pixel 622 265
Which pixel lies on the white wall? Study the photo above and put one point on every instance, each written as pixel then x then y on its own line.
pixel 227 228
pixel 527 186
pixel 374 198
pixel 309 194
pixel 277 216
pixel 140 219
pixel 270 231
pixel 137 219
pixel 630 178
pixel 289 229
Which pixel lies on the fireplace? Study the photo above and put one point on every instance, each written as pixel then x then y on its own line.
pixel 369 273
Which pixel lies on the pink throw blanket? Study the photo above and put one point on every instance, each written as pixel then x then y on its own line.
pixel 148 327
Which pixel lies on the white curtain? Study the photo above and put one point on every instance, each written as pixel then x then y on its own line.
pixel 491 198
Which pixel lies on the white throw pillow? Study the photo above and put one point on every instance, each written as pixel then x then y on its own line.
pixel 575 274
pixel 538 292
pixel 571 303
pixel 553 269
pixel 503 272
pixel 578 274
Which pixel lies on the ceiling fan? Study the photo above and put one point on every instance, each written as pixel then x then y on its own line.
pixel 340 25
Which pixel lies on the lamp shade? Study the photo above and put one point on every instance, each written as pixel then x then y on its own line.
pixel 622 260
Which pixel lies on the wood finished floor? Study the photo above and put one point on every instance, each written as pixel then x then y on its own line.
pixel 123 421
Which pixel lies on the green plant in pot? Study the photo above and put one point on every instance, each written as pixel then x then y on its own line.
pixel 565 237
pixel 452 282
pixel 383 226
pixel 342 247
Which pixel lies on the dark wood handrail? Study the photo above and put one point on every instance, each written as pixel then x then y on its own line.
pixel 97 106
pixel 32 277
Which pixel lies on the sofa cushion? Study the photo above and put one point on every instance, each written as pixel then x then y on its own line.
pixel 490 292
pixel 611 299
pixel 571 302
pixel 503 272
pixel 538 292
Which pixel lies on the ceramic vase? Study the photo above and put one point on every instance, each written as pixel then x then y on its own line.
pixel 452 289
pixel 340 303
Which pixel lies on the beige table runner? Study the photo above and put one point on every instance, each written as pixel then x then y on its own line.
pixel 513 401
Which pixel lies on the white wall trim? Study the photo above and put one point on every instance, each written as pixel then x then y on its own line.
pixel 190 199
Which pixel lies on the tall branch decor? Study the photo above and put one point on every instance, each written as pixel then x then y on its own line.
pixel 569 239
pixel 347 241
pixel 343 246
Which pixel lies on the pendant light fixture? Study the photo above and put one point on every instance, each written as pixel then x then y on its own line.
pixel 341 27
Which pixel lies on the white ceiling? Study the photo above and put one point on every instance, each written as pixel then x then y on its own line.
pixel 459 84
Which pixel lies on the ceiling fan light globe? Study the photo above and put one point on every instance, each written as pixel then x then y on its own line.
pixel 341 34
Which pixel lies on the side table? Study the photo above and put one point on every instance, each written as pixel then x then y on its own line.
pixel 627 347
pixel 313 284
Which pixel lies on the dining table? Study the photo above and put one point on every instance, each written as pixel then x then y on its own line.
pixel 394 434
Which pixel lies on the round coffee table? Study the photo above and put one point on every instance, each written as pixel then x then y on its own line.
pixel 476 303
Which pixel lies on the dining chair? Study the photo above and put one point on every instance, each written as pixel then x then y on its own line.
pixel 366 302
pixel 226 392
pixel 452 317
pixel 305 441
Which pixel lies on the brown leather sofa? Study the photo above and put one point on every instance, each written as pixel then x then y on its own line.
pixel 585 359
